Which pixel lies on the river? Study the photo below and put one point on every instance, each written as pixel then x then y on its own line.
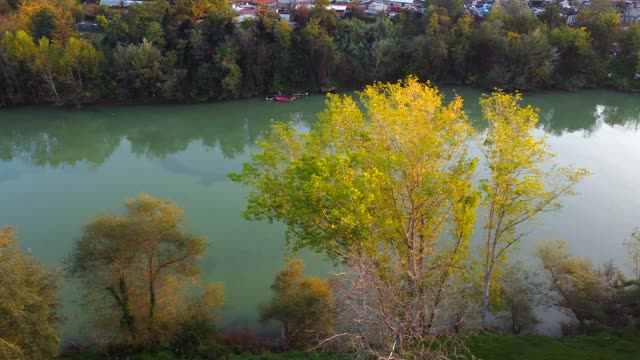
pixel 59 168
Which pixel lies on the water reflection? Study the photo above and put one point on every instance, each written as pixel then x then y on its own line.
pixel 586 111
pixel 54 137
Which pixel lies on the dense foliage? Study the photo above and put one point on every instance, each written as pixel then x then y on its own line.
pixel 28 304
pixel 386 185
pixel 196 50
pixel 304 306
pixel 136 270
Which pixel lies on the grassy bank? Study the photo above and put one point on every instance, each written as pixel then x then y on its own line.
pixel 535 347
pixel 605 346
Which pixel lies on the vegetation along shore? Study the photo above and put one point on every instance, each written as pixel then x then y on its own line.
pixel 199 50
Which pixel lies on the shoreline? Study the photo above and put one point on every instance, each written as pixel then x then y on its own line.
pixel 443 85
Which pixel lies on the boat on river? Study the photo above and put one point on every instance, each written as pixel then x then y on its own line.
pixel 285 98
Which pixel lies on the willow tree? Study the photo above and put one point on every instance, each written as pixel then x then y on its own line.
pixel 137 260
pixel 523 180
pixel 28 304
pixel 385 182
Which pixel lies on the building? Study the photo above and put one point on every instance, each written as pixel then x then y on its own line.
pixel 399 4
pixel 246 14
pixel 266 3
pixel 118 3
pixel 286 4
pixel 630 12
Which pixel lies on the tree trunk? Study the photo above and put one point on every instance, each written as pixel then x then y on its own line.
pixel 49 79
pixel 152 299
pixel 128 320
pixel 152 306
pixel 485 298
pixel 127 317
pixel 285 335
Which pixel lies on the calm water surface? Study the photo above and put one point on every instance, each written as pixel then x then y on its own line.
pixel 59 168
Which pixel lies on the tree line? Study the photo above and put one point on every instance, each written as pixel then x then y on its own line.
pixel 196 50
pixel 385 188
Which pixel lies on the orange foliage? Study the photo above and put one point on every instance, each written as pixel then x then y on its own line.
pixel 65 14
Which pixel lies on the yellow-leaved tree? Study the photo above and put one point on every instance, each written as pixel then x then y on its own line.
pixel 303 304
pixel 137 269
pixel 28 304
pixel 523 181
pixel 386 187
pixel 54 19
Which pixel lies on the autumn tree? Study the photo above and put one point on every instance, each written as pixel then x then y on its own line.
pixel 17 63
pixel 523 182
pixel 575 285
pixel 304 305
pixel 28 304
pixel 518 297
pixel 603 23
pixel 388 182
pixel 79 63
pixel 192 8
pixel 57 73
pixel 139 264
pixel 54 19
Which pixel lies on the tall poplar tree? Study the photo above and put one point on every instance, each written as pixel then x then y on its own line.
pixel 523 180
pixel 388 182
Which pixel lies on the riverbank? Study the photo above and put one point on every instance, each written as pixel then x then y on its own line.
pixel 93 103
pixel 609 346
pixel 193 58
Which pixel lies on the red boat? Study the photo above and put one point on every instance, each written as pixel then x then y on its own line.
pixel 283 98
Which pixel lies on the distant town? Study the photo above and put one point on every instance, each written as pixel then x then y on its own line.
pixel 629 9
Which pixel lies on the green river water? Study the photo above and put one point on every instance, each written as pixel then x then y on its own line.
pixel 60 167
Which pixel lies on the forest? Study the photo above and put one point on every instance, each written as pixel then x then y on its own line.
pixel 197 50
pixel 385 188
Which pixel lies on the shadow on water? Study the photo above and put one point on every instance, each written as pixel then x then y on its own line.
pixel 566 112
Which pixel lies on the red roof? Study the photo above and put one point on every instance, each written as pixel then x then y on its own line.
pixel 248 12
pixel 348 5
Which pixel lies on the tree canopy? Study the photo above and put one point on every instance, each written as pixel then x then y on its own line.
pixel 29 304
pixel 523 181
pixel 134 265
pixel 304 305
pixel 386 185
